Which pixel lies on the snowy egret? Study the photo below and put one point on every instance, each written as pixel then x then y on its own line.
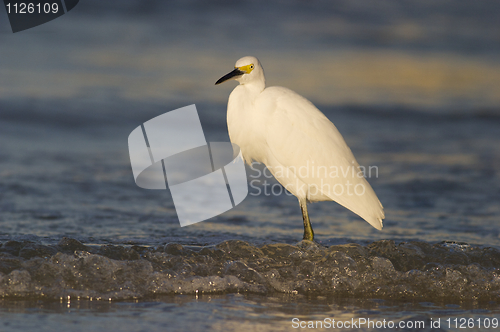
pixel 299 145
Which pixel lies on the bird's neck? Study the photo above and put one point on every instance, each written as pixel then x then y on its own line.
pixel 254 88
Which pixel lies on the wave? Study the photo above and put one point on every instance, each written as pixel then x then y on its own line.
pixel 383 269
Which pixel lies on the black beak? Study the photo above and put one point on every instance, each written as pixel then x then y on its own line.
pixel 234 73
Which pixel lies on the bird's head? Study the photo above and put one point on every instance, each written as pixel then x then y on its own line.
pixel 246 70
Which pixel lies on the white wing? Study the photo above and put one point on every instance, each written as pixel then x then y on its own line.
pixel 299 135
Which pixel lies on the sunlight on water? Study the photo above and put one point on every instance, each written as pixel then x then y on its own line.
pixel 164 72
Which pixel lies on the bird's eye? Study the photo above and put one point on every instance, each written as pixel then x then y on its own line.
pixel 251 66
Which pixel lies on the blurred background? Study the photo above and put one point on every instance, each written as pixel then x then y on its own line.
pixel 432 54
pixel 412 86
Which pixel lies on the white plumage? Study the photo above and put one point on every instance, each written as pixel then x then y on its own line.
pixel 299 145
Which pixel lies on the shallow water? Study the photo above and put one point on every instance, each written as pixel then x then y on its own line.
pixel 414 96
pixel 235 284
pixel 79 186
pixel 232 312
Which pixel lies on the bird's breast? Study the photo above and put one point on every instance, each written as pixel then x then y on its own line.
pixel 246 125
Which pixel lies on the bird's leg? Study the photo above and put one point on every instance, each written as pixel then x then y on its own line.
pixel 308 231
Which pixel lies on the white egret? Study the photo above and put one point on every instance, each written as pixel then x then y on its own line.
pixel 299 145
